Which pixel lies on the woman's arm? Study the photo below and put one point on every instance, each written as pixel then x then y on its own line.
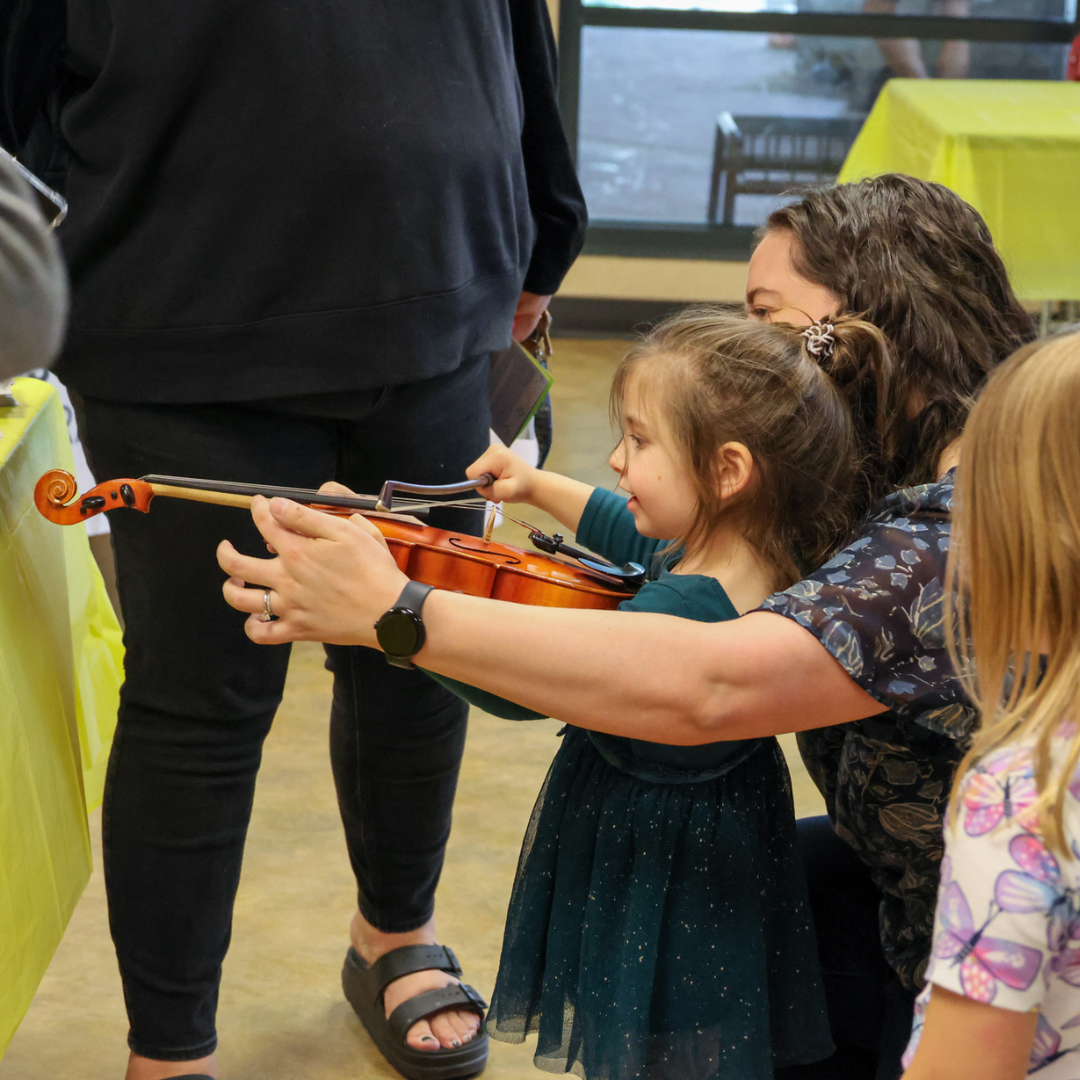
pixel 964 1039
pixel 652 677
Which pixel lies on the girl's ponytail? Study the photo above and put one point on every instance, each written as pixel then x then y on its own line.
pixel 857 357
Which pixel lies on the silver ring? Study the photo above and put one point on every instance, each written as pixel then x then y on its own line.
pixel 268 613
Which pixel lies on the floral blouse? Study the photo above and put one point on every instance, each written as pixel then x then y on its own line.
pixel 1008 921
pixel 877 607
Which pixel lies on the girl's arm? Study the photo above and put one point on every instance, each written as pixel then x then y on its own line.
pixel 964 1039
pixel 516 481
pixel 652 677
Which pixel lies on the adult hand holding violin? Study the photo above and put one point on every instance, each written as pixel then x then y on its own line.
pixel 330 580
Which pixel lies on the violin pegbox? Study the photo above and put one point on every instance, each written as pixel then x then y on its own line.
pixel 55 496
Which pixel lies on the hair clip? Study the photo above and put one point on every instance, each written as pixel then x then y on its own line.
pixel 820 340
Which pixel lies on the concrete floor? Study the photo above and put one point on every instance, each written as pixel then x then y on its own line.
pixel 282 1016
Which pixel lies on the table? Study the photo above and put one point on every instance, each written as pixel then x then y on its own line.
pixel 61 661
pixel 1010 148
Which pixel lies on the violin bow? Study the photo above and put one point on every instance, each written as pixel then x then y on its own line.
pixel 55 495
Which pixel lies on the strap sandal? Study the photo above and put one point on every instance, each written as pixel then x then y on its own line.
pixel 364 984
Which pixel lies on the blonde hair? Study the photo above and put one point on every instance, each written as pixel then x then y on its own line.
pixel 1013 579
pixel 721 378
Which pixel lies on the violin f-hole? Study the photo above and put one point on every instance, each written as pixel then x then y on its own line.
pixel 459 543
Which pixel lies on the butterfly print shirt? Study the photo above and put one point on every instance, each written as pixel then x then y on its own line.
pixel 877 606
pixel 1008 923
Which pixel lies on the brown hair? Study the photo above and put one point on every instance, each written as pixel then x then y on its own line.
pixel 919 263
pixel 1015 559
pixel 721 379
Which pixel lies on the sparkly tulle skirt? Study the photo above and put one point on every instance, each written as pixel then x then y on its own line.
pixel 661 929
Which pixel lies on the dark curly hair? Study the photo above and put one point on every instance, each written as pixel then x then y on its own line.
pixel 918 262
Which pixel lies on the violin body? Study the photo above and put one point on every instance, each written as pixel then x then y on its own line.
pixel 447 560
pixel 466 564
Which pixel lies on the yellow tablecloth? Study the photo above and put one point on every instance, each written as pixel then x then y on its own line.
pixel 1011 149
pixel 60 671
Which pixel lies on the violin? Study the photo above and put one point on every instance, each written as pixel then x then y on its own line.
pixel 556 575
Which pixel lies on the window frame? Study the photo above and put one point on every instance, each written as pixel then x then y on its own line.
pixel 734 242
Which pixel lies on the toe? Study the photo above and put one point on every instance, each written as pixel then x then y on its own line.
pixel 445 1030
pixel 469 1025
pixel 464 1024
pixel 421 1037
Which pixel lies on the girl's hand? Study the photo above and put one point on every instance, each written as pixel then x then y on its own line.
pixel 333 577
pixel 515 479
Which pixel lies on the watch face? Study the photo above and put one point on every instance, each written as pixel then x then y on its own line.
pixel 399 633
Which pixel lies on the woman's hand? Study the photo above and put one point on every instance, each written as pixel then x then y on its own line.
pixel 333 577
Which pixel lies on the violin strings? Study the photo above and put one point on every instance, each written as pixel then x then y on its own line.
pixel 407 505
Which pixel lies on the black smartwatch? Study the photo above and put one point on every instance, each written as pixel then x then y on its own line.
pixel 400 632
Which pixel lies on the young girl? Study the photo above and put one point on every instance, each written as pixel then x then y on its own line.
pixel 659 925
pixel 1004 998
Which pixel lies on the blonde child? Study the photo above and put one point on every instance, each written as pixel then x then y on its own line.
pixel 659 924
pixel 1003 994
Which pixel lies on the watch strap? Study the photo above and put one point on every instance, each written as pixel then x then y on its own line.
pixel 413 596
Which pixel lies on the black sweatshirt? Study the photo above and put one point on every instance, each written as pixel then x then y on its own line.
pixel 276 197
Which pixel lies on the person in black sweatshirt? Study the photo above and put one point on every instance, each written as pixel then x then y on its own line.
pixel 297 230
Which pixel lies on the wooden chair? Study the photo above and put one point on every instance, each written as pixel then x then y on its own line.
pixel 767 155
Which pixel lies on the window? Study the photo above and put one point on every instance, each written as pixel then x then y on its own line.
pixel 691 119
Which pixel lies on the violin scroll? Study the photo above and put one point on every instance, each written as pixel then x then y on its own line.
pixel 55 497
pixel 54 489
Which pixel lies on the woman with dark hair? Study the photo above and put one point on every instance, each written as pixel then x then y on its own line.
pixel 852 657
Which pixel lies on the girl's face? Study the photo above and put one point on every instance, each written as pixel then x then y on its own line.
pixel 776 292
pixel 662 496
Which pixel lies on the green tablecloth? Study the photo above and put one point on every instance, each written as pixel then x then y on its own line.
pixel 61 663
pixel 1011 149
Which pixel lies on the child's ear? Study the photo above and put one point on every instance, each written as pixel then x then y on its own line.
pixel 735 467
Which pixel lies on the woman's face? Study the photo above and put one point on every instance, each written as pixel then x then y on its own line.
pixel 776 292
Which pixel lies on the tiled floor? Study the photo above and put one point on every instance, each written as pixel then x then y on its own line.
pixel 282 1016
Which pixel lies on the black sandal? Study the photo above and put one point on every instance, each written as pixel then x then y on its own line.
pixel 364 985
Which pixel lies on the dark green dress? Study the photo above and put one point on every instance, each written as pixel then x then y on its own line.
pixel 659 924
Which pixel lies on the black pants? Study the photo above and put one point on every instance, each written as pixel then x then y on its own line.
pixel 199 697
pixel 870 1010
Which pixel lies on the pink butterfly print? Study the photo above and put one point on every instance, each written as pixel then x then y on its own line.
pixel 1066 965
pixel 1046 1048
pixel 990 798
pixel 983 960
pixel 1039 888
